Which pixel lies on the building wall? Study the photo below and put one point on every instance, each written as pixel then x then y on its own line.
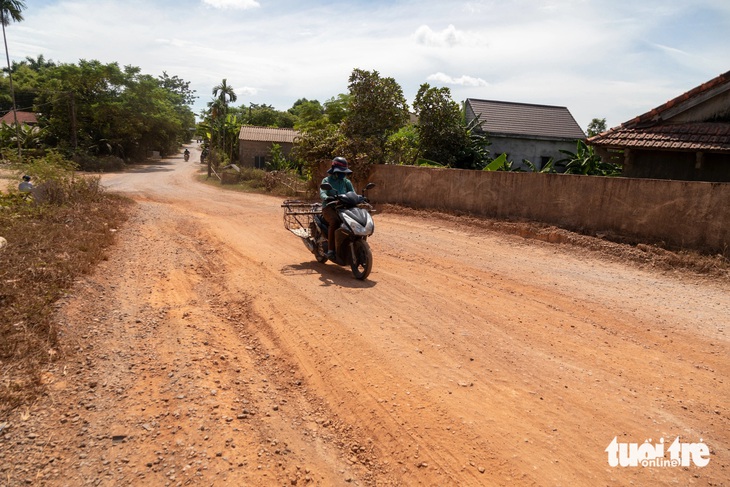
pixel 683 214
pixel 248 151
pixel 678 165
pixel 533 150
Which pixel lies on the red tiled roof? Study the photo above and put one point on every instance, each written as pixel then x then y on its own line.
pixel 524 119
pixel 655 116
pixel 23 117
pixel 267 134
pixel 713 137
pixel 652 131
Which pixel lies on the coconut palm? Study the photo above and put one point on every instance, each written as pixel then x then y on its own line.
pixel 11 10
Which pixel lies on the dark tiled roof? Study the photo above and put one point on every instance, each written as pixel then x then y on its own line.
pixel 652 131
pixel 712 137
pixel 23 117
pixel 267 134
pixel 524 119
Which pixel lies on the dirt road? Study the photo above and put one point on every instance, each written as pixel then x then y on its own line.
pixel 211 349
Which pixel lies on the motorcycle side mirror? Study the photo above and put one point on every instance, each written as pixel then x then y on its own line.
pixel 325 186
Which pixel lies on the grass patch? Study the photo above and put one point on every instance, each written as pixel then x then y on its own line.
pixel 50 241
pixel 249 180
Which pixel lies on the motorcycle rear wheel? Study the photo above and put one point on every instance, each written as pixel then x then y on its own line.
pixel 319 253
pixel 363 263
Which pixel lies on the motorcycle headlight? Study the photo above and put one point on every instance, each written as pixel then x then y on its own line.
pixel 357 228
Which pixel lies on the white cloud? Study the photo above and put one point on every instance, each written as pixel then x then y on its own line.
pixel 233 4
pixel 613 60
pixel 449 37
pixel 460 81
pixel 246 91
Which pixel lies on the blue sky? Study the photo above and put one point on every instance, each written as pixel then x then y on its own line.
pixel 608 59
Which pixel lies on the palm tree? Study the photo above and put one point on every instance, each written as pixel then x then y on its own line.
pixel 39 63
pixel 11 10
pixel 223 94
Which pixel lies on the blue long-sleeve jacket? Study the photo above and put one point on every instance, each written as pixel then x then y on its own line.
pixel 339 186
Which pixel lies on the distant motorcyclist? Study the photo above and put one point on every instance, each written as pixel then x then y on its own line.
pixel 186 154
pixel 337 178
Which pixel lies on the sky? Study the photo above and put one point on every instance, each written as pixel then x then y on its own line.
pixel 612 59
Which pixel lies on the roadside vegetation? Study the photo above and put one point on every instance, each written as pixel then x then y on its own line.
pixel 99 115
pixel 52 236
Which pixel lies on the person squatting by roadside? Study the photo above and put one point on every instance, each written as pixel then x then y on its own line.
pixel 25 185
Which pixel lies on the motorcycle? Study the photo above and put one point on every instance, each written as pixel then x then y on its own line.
pixel 186 156
pixel 352 248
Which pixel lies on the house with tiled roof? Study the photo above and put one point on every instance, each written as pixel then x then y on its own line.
pixel 525 131
pixel 686 138
pixel 24 118
pixel 254 144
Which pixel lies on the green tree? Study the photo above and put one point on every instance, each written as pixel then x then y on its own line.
pixel 102 109
pixel 597 126
pixel 26 83
pixel 39 63
pixel 403 146
pixel 223 93
pixel 336 108
pixel 441 133
pixel 377 109
pixel 179 87
pixel 443 137
pixel 308 113
pixel 261 115
pixel 11 11
pixel 316 145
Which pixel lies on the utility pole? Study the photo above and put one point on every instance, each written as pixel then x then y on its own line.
pixel 74 137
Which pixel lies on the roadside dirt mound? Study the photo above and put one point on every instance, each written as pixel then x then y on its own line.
pixel 602 245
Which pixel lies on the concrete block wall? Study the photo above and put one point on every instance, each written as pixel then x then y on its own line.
pixel 686 214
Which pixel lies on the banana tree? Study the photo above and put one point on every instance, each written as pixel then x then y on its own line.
pixel 585 161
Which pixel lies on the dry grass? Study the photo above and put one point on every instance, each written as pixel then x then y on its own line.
pixel 49 245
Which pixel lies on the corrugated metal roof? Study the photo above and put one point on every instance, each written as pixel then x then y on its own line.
pixel 708 136
pixel 267 134
pixel 524 119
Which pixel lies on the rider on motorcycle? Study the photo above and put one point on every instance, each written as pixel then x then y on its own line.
pixel 186 154
pixel 340 185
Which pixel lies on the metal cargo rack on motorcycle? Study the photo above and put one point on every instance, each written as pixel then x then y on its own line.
pixel 299 216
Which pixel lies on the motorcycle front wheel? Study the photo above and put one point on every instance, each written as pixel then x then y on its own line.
pixel 363 259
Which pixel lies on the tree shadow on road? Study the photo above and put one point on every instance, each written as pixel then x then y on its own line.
pixel 329 275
